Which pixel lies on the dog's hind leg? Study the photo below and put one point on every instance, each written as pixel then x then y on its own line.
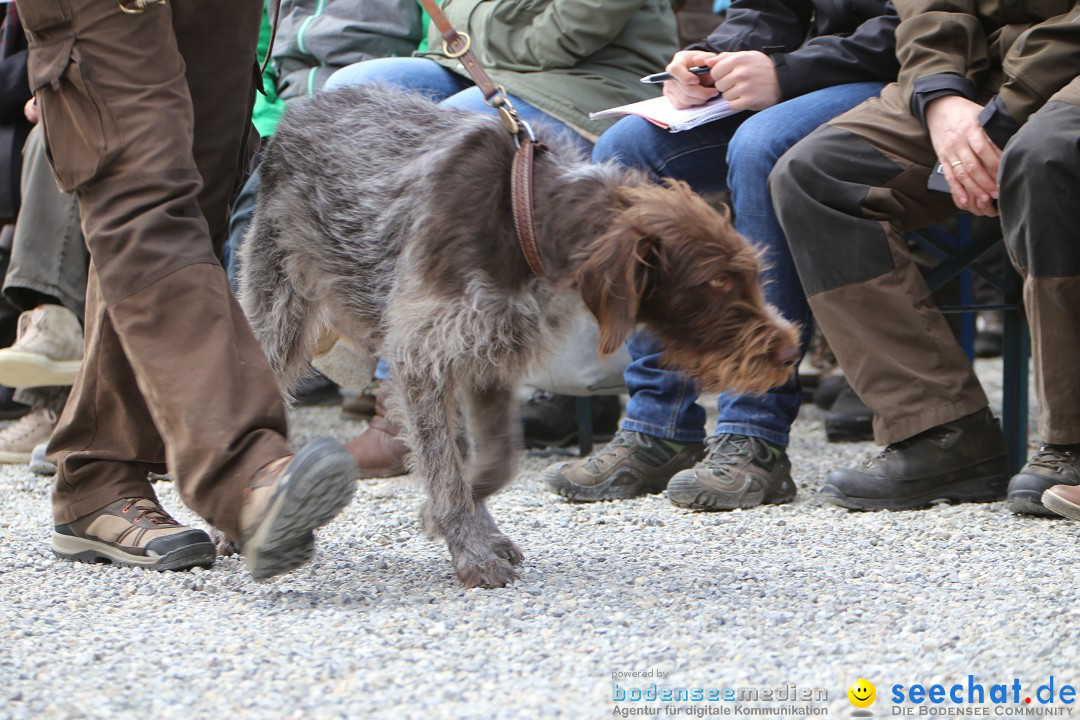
pixel 493 427
pixel 433 426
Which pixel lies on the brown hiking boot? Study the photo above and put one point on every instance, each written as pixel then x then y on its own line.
pixel 287 500
pixel 739 471
pixel 1064 500
pixel 378 451
pixel 133 532
pixel 1051 465
pixel 631 464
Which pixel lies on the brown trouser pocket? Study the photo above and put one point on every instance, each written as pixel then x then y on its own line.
pixel 81 134
pixel 38 15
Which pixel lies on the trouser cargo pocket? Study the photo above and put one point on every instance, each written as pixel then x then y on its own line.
pixel 82 135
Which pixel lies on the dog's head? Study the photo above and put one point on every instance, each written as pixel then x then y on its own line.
pixel 674 264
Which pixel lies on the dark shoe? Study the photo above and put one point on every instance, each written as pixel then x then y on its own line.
pixel 362 406
pixel 316 389
pixel 959 461
pixel 631 464
pixel 1052 465
pixel 9 409
pixel 133 532
pixel 378 451
pixel 287 500
pixel 849 420
pixel 828 389
pixel 738 472
pixel 551 420
pixel 1064 500
pixel 990 337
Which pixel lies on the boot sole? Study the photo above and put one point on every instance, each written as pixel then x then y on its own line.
pixel 1060 506
pixel 84 550
pixel 14 457
pixel 319 484
pixel 22 370
pixel 690 495
pixel 578 493
pixel 974 491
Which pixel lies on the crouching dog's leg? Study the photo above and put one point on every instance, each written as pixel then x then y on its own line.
pixel 435 433
pixel 492 464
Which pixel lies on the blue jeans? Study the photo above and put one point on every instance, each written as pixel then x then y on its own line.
pixel 736 153
pixel 431 79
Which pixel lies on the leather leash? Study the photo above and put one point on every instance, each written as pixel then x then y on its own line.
pixel 457 45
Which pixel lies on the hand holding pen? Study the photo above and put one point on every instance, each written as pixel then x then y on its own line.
pixel 689 85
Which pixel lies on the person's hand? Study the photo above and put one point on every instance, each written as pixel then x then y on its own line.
pixel 30 111
pixel 969 158
pixel 686 89
pixel 746 79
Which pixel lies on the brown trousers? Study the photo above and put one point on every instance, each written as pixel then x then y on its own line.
pixel 844 196
pixel 147 120
pixel 1040 214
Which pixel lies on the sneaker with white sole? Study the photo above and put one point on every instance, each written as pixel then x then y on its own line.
pixel 47 351
pixel 133 532
pixel 18 440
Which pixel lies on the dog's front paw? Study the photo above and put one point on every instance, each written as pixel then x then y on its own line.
pixel 491 573
pixel 224 545
pixel 505 548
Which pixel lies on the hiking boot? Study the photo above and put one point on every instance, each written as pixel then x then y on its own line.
pixel 849 420
pixel 1051 465
pixel 738 471
pixel 631 464
pixel 551 420
pixel 133 532
pixel 17 441
pixel 959 461
pixel 48 349
pixel 1064 500
pixel 287 500
pixel 379 452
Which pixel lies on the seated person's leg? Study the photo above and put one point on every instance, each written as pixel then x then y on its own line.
pixel 424 76
pixel 541 122
pixel 747 464
pixel 664 426
pixel 842 196
pixel 1040 211
pixel 47 281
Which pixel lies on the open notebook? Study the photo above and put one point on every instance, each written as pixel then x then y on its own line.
pixel 659 111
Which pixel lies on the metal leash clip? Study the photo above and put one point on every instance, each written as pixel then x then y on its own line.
pixel 134 7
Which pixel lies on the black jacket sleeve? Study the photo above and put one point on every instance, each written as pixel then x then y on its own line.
pixel 813 50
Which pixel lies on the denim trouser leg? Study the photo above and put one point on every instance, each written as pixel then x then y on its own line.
pixel 736 153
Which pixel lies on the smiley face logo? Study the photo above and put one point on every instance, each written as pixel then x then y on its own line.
pixel 862 693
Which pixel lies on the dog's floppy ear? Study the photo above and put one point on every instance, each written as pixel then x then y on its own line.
pixel 613 278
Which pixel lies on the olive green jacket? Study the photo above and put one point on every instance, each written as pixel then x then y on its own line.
pixel 566 57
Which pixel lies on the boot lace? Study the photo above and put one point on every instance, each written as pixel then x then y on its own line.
pixel 729 450
pixel 1055 457
pixel 152 512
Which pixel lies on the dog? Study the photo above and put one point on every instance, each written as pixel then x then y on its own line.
pixel 388 218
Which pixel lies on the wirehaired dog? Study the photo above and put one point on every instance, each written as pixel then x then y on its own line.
pixel 388 218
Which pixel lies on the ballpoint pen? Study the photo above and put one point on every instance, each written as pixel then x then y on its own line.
pixel 662 76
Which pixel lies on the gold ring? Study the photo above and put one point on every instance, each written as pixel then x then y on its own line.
pixel 954 163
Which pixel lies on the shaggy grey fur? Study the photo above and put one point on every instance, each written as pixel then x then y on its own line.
pixel 388 219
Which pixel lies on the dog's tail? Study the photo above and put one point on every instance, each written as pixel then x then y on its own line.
pixel 280 310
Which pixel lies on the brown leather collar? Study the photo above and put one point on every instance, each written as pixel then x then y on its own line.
pixel 521 200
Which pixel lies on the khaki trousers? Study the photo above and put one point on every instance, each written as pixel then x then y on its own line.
pixel 147 119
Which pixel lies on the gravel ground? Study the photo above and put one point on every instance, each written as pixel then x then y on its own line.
pixel 376 626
